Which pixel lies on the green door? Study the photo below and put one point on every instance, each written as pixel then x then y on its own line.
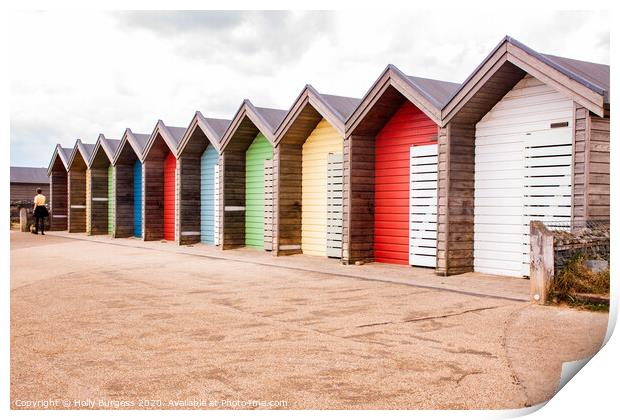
pixel 259 151
pixel 110 200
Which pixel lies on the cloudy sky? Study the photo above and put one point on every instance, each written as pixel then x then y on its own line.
pixel 78 74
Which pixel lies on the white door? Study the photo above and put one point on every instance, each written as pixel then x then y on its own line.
pixel 423 205
pixel 216 204
pixel 523 155
pixel 268 209
pixel 334 205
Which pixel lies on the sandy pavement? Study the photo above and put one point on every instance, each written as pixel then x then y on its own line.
pixel 126 325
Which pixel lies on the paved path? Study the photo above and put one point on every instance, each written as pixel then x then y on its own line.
pixel 476 284
pixel 137 322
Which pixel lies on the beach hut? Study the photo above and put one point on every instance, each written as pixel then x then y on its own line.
pixel 77 183
pixel 246 174
pixel 391 153
pixel 159 175
pixel 198 182
pixel 127 185
pixel 308 161
pixel 100 197
pixel 57 172
pixel 526 137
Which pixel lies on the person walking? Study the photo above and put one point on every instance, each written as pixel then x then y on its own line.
pixel 40 212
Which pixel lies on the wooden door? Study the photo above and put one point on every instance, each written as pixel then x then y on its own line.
pixel 522 173
pixel 169 195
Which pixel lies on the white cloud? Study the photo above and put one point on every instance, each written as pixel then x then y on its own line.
pixel 76 74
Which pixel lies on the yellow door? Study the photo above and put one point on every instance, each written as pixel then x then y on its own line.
pixel 321 142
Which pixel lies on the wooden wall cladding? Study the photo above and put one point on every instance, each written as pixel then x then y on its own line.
pixel 209 196
pixel 111 200
pixel 407 127
pixel 124 198
pixel 455 221
pixel 455 187
pixel 170 175
pixel 256 154
pixel 188 216
pixel 232 207
pixel 98 200
pixel 58 198
pixel 138 199
pixel 25 192
pixel 321 142
pixel 598 169
pixel 287 198
pixel 358 198
pixel 88 206
pixel 268 205
pixel 523 173
pixel 334 205
pixel 153 191
pixel 77 200
pixel 153 200
pixel 591 176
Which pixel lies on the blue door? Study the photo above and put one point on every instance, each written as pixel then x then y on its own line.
pixel 208 161
pixel 137 199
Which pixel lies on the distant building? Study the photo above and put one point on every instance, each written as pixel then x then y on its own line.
pixel 25 181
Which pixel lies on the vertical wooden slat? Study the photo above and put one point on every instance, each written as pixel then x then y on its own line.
pixel 111 200
pixel 216 204
pixel 287 198
pixel 268 229
pixel 58 198
pixel 358 198
pixel 97 200
pixel 123 193
pixel 89 206
pixel 77 200
pixel 232 186
pixel 423 206
pixel 334 205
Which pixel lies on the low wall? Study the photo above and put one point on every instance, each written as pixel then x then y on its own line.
pixel 591 242
pixel 551 247
pixel 16 206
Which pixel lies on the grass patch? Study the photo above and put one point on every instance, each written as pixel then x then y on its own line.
pixel 577 278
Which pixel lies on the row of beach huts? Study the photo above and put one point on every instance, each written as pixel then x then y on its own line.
pixel 418 172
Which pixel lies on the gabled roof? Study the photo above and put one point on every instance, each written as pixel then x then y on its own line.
pixel 84 149
pixel 213 129
pixel 109 146
pixel 428 95
pixel 59 152
pixel 334 109
pixel 29 175
pixel 265 120
pixel 136 141
pixel 171 135
pixel 584 82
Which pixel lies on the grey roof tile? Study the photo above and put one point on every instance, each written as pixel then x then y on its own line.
pixel 29 175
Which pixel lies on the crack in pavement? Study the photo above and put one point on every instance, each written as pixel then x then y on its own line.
pixel 465 375
pixel 511 318
pixel 426 318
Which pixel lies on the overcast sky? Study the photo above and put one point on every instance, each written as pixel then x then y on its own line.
pixel 78 74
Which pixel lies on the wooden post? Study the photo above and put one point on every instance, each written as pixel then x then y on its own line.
pixel 23 220
pixel 541 262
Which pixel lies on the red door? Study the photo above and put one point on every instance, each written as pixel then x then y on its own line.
pixel 170 165
pixel 408 126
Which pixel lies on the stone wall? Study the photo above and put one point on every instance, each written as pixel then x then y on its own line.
pixel 553 245
pixel 591 241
